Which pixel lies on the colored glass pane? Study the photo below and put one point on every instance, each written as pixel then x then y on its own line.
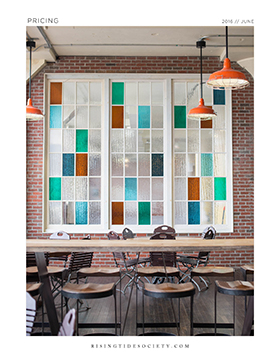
pixel 56 93
pixel 117 213
pixel 130 189
pixel 55 116
pixel 220 188
pixel 144 212
pixel 180 116
pixel 194 213
pixel 193 188
pixel 81 213
pixel 206 123
pixel 81 164
pixel 117 93
pixel 219 96
pixel 143 116
pixel 81 140
pixel 68 164
pixel 117 117
pixel 55 188
pixel 157 164
pixel 206 164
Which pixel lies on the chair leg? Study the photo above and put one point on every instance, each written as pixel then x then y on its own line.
pixel 191 316
pixel 215 309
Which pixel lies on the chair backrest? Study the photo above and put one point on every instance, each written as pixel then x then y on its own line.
pixel 208 233
pixel 31 260
pixel 163 258
pixel 30 313
pixel 79 260
pixel 68 325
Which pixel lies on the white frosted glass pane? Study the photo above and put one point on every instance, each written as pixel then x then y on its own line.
pixel 68 117
pixel 219 165
pixel 55 140
pixel 219 121
pixel 206 216
pixel 157 117
pixel 180 93
pixel 117 141
pixel 206 140
pixel 81 188
pixel 95 188
pixel 220 141
pixel 55 164
pixel 94 213
pixel 180 188
pixel 193 95
pixel 157 189
pixel 157 93
pixel 180 213
pixel 144 141
pixel 55 213
pixel 193 165
pixel 131 213
pixel 94 117
pixel 193 123
pixel 157 213
pixel 67 188
pixel 130 117
pixel 144 165
pixel 82 93
pixel 179 141
pixel 68 141
pixel 117 164
pixel 130 140
pixel 220 213
pixel 95 92
pixel 130 165
pixel 68 212
pixel 94 164
pixel 82 117
pixel 68 93
pixel 117 189
pixel 193 141
pixel 143 189
pixel 180 164
pixel 207 95
pixel 206 188
pixel 94 141
pixel 157 141
pixel 144 93
pixel 131 93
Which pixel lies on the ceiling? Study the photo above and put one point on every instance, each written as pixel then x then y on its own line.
pixel 55 41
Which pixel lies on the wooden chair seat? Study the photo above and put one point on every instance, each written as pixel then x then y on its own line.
pixel 169 290
pixel 158 271
pixel 212 271
pixel 99 272
pixel 249 268
pixel 88 290
pixel 52 270
pixel 236 287
pixel 33 288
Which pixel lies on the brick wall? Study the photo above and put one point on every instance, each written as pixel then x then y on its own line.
pixel 242 131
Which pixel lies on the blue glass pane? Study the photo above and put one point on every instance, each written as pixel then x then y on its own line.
pixel 81 213
pixel 206 164
pixel 131 189
pixel 194 213
pixel 157 164
pixel 143 116
pixel 55 116
pixel 219 96
pixel 68 164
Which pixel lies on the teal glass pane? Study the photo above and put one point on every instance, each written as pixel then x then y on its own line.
pixel 55 188
pixel 179 116
pixel 143 116
pixel 81 140
pixel 81 213
pixel 130 189
pixel 157 164
pixel 220 188
pixel 219 96
pixel 117 93
pixel 144 212
pixel 68 164
pixel 55 116
pixel 206 164
pixel 194 213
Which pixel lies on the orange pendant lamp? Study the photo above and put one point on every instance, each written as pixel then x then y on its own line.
pixel 201 112
pixel 227 77
pixel 32 112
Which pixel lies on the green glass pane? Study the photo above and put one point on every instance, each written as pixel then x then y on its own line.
pixel 55 188
pixel 144 211
pixel 81 140
pixel 180 116
pixel 117 93
pixel 206 164
pixel 220 188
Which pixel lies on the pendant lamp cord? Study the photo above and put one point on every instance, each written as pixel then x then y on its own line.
pixel 30 72
pixel 226 42
pixel 201 92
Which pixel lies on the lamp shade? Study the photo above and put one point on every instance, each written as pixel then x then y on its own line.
pixel 202 111
pixel 32 112
pixel 227 78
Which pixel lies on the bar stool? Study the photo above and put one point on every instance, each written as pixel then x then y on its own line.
pixel 246 270
pixel 234 288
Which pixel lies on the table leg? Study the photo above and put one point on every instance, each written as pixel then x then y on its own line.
pixel 249 317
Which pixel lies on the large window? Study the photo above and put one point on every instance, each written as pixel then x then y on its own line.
pixel 120 151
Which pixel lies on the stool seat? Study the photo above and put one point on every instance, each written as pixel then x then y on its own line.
pixel 88 290
pixel 248 268
pixel 212 271
pixel 52 270
pixel 33 288
pixel 169 290
pixel 158 271
pixel 99 271
pixel 237 287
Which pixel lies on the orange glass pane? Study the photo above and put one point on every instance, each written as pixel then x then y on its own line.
pixel 117 117
pixel 117 213
pixel 81 164
pixel 193 188
pixel 56 93
pixel 206 124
